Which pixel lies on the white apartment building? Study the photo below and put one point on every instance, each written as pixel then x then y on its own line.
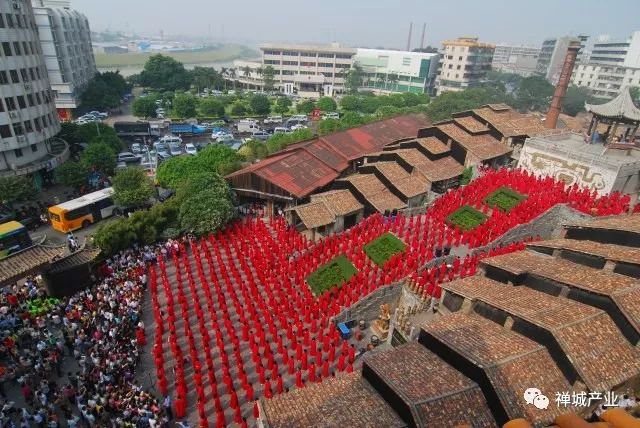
pixel 520 60
pixel 28 118
pixel 388 71
pixel 464 63
pixel 66 45
pixel 612 66
pixel 310 71
pixel 552 55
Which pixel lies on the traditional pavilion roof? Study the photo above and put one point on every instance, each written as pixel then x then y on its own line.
pixel 621 107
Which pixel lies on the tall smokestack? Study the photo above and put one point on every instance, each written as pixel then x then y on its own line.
pixel 424 28
pixel 409 38
pixel 563 83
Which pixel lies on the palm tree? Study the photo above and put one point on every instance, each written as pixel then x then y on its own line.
pixel 246 71
pixel 224 72
pixel 392 79
pixel 259 71
pixel 232 75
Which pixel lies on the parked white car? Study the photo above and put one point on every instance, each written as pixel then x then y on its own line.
pixel 273 119
pixel 223 138
pixel 296 127
pixel 190 149
pixel 331 115
pixel 281 130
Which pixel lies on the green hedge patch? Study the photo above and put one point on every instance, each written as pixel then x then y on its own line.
pixel 466 218
pixel 504 198
pixel 383 248
pixel 331 274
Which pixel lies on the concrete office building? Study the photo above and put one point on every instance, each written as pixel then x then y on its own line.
pixel 552 54
pixel 390 71
pixel 464 63
pixel 612 66
pixel 28 118
pixel 520 60
pixel 310 71
pixel 66 45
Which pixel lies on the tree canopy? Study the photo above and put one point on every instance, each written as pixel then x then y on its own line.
pixel 71 174
pixel 99 157
pixel 354 79
pixel 211 107
pixel 260 105
pixel 268 74
pixel 144 107
pixel 132 187
pixel 110 140
pixel 206 77
pixel 165 73
pixel 326 104
pixel 205 212
pixel 104 91
pixel 533 93
pixel 305 106
pixel 575 99
pixel 283 104
pixel 16 188
pixel 184 105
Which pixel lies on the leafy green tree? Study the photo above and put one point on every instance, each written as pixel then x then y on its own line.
pixel 305 106
pixel 111 140
pixel 115 235
pixel 144 107
pixel 444 105
pixel 99 157
pixel 69 133
pixel 283 104
pixel 351 119
pixel 15 189
pixel 575 99
pixel 533 94
pixel 253 150
pixel 163 72
pixel 184 105
pixel 71 174
pixel 205 212
pixel 350 103
pixel 369 104
pixel 328 126
pixel 268 77
pixel 238 109
pixel 175 170
pixel 206 77
pixel 211 107
pixel 388 111
pixel 219 158
pixel 327 104
pixel 132 187
pixel 87 132
pixel 104 91
pixel 410 99
pixel 204 180
pixel 354 79
pixel 260 105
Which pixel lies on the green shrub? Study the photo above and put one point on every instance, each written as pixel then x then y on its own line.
pixel 331 274
pixel 466 218
pixel 504 198
pixel 383 248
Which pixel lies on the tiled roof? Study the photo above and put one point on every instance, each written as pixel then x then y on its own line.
pixel 512 362
pixel 433 145
pixel 629 302
pixel 344 401
pixel 309 165
pixel 511 123
pixel 86 255
pixel 437 394
pixel 410 184
pixel 471 124
pixel 340 202
pixel 314 214
pixel 483 146
pixel 441 169
pixel 375 192
pixel 621 106
pixel 27 261
pixel 599 352
pixel 563 271
pixel 629 223
pixel 607 251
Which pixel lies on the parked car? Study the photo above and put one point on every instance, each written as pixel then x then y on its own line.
pixel 224 137
pixel 281 130
pixel 298 126
pixel 300 117
pixel 272 119
pixel 331 115
pixel 175 149
pixel 218 123
pixel 219 133
pixel 128 157
pixel 161 150
pixel 260 135
pixel 99 114
pixel 190 149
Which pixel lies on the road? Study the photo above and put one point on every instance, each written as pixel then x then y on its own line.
pixel 58 238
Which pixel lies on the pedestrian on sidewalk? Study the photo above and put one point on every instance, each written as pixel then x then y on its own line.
pixel 167 406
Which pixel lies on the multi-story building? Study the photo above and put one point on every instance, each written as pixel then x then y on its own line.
pixel 552 54
pixel 65 38
pixel 612 66
pixel 464 62
pixel 28 118
pixel 310 71
pixel 520 60
pixel 397 71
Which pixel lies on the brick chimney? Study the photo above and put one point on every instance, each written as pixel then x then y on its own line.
pixel 563 83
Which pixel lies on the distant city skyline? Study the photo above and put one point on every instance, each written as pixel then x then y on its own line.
pixel 369 24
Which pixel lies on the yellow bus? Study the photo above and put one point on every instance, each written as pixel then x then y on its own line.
pixel 13 238
pixel 82 211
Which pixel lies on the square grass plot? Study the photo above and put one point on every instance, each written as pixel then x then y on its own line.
pixel 504 198
pixel 383 248
pixel 466 218
pixel 331 274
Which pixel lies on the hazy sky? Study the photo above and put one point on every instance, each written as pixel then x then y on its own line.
pixel 366 22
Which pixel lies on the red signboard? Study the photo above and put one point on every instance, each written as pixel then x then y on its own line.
pixel 315 114
pixel 63 114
